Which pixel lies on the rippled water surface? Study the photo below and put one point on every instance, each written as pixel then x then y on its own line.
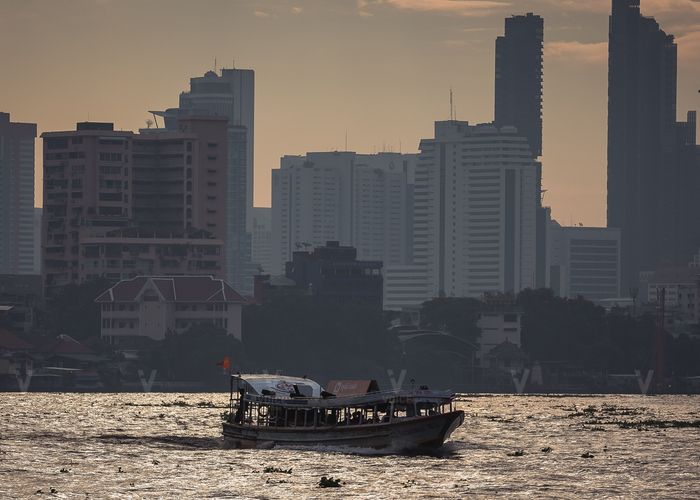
pixel 169 445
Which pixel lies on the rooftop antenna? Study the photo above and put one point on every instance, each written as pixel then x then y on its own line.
pixel 233 63
pixel 215 65
pixel 346 139
pixel 452 115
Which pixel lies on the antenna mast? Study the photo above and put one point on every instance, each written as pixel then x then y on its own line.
pixel 452 115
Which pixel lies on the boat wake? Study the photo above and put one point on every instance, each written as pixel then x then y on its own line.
pixel 189 442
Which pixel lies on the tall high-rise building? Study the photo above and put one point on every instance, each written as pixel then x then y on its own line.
pixel 647 171
pixel 519 78
pixel 164 191
pixel 476 196
pixel 230 95
pixel 17 245
pixel 358 200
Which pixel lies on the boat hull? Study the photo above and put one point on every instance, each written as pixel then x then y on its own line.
pixel 407 434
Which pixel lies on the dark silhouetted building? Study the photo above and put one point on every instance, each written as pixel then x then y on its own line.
pixel 519 78
pixel 17 245
pixel 333 272
pixel 20 299
pixel 651 176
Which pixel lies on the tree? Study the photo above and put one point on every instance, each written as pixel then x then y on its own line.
pixel 455 315
pixel 315 336
pixel 193 355
pixel 74 311
pixel 560 329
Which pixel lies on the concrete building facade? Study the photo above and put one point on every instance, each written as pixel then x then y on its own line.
pixel 97 180
pixel 17 244
pixel 262 238
pixel 404 287
pixel 476 194
pixel 334 272
pixel 126 253
pixel 230 95
pixel 156 306
pixel 359 200
pixel 585 262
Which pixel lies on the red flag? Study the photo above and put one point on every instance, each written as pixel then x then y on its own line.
pixel 224 363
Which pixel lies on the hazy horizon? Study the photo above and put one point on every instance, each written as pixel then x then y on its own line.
pixel 379 69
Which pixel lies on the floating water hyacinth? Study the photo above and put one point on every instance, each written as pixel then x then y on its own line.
pixel 329 482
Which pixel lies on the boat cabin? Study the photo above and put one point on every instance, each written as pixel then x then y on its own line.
pixel 277 401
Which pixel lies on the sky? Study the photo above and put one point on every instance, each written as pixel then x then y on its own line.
pixel 378 70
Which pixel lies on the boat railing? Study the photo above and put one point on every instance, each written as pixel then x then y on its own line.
pixel 373 397
pixel 375 408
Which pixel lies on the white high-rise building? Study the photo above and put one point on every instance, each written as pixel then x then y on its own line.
pixel 262 238
pixel 18 246
pixel 356 199
pixel 476 195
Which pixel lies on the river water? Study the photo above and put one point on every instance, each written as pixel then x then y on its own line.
pixel 169 446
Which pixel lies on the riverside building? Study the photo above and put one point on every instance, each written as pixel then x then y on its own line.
pixel 158 306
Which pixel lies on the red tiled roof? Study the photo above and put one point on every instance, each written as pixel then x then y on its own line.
pixel 123 291
pixel 175 289
pixel 11 342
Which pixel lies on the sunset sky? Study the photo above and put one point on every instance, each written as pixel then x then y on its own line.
pixel 379 69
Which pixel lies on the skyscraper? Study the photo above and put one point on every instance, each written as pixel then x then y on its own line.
pixel 647 171
pixel 17 245
pixel 476 198
pixel 230 95
pixel 519 78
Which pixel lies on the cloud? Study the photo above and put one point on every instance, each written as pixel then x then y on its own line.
pixel 261 14
pixel 296 9
pixel 455 43
pixel 689 47
pixel 648 7
pixel 592 53
pixel 467 8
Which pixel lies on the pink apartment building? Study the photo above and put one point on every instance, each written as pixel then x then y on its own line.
pixel 157 193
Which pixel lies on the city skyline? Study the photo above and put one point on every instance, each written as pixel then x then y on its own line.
pixel 382 73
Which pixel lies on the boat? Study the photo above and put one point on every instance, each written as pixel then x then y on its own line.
pixel 268 411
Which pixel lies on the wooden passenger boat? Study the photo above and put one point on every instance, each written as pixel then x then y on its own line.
pixel 267 411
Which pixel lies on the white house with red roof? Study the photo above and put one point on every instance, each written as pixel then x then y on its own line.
pixel 155 306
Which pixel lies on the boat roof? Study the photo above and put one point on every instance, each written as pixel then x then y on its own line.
pixel 280 385
pixel 352 387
